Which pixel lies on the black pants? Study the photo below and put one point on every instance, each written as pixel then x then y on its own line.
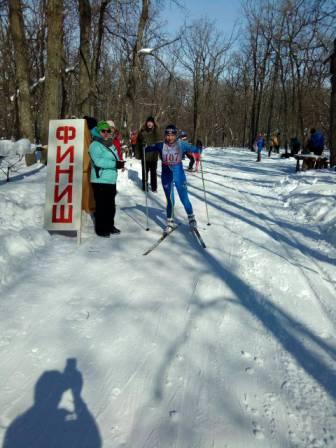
pixel 192 161
pixel 150 167
pixel 104 195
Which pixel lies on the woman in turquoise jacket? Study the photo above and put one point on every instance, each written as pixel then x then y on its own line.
pixel 104 161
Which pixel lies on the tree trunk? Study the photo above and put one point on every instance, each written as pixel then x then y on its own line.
pixel 55 65
pixel 195 112
pixel 85 105
pixel 135 67
pixel 271 101
pixel 96 57
pixel 333 121
pixel 22 73
pixel 285 105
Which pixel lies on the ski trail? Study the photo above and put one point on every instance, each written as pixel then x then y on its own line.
pixel 226 347
pixel 266 283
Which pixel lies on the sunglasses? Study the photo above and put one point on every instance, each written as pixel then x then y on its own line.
pixel 106 131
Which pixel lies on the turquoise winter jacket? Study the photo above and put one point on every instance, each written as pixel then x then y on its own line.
pixel 103 161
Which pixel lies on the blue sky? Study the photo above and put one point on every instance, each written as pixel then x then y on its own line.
pixel 224 12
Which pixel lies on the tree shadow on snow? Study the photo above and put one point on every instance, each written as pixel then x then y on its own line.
pixel 46 425
pixel 22 176
pixel 272 232
pixel 310 351
pixel 157 215
pixel 313 354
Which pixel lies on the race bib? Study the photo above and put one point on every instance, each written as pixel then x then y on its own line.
pixel 171 155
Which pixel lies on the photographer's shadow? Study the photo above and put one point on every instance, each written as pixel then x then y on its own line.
pixel 45 425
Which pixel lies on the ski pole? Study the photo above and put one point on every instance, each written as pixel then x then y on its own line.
pixel 205 200
pixel 145 183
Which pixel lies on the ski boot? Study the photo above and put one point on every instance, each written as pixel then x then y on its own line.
pixel 192 221
pixel 170 226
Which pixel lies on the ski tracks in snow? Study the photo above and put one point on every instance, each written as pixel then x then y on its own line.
pixel 215 348
pixel 289 410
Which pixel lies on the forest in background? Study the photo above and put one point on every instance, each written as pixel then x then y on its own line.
pixel 112 59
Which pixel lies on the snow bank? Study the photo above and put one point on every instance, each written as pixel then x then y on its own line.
pixel 21 224
pixel 312 196
pixel 6 148
pixel 23 147
pixel 20 147
pixel 229 346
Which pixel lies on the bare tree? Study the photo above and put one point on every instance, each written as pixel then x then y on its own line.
pixel 85 104
pixel 22 71
pixel 202 54
pixel 55 64
pixel 332 61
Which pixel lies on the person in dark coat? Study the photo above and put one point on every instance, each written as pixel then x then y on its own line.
pixel 91 122
pixel 315 142
pixel 148 135
pixel 295 146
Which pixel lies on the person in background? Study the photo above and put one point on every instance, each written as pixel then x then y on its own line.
pixel 116 138
pixel 275 144
pixel 184 138
pixel 148 135
pixel 104 163
pixel 133 141
pixel 90 121
pixel 295 145
pixel 315 142
pixel 172 173
pixel 197 155
pixel 260 145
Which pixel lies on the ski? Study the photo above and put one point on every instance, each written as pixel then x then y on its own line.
pixel 159 241
pixel 198 237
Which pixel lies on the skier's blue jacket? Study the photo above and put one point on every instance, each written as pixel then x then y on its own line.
pixel 173 173
pixel 260 142
pixel 171 156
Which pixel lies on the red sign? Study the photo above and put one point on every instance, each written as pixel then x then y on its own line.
pixel 64 178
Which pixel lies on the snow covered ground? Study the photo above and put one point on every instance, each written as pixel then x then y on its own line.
pixel 229 347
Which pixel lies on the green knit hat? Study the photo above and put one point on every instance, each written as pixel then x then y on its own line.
pixel 102 126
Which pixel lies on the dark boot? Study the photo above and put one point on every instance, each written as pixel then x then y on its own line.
pixel 114 230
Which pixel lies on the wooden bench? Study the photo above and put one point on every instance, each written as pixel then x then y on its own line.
pixel 310 162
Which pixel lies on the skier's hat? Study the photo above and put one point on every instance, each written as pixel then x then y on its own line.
pixel 171 129
pixel 183 134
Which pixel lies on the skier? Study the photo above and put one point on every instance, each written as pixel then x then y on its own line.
pixel 171 152
pixel 260 144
